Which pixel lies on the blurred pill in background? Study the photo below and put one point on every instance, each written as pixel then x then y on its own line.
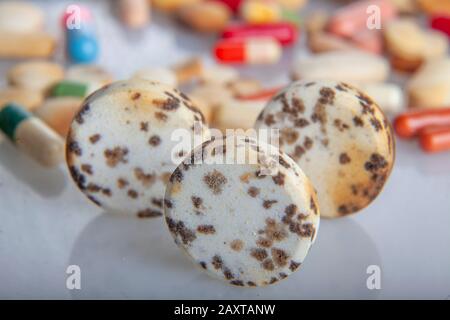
pixel 441 23
pixel 232 4
pixel 158 74
pixel 58 112
pixel 19 16
pixel 248 51
pixel 135 14
pixel 31 135
pixel 69 88
pixel 208 16
pixel 172 5
pixel 260 11
pixel 81 39
pixel 285 33
pixel 353 17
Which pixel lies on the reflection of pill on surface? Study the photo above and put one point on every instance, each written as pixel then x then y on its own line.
pixel 31 135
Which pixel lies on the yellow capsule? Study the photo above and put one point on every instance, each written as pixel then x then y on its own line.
pixel 293 4
pixel 261 11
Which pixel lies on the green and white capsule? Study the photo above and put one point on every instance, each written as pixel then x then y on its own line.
pixel 31 135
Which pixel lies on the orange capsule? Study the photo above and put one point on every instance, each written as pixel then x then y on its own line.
pixel 248 51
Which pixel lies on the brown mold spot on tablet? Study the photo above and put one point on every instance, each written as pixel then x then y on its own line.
pixel 340 125
pixel 161 116
pixel 180 230
pixel 301 123
pixel 206 229
pixel 157 202
pixel 308 143
pixel 227 273
pixel 122 183
pixel 344 158
pixel 268 265
pixel 79 117
pixel 217 262
pixel 171 103
pixel 197 202
pixel 376 163
pixel 253 191
pixel 267 204
pixel 78 177
pixel 294 265
pixel 376 124
pixel 298 104
pixel 269 120
pixel 279 256
pixel 326 95
pixel 299 151
pixel 365 102
pixel 215 180
pixel 94 138
pixel 237 245
pixel 132 194
pixel 279 179
pixel 320 115
pixel 154 141
pixel 144 126
pixel 239 283
pixel 168 203
pixel 309 84
pixel 93 188
pixel 283 162
pixel 177 176
pixel 87 168
pixel 203 265
pixel 144 178
pixel 116 156
pixel 264 242
pixel 149 213
pixel 358 122
pixel 282 275
pixel 289 135
pixel 290 210
pixel 273 280
pixel 135 96
pixel 259 254
pixel 341 87
pixel 251 284
pixel 74 147
pixel 274 231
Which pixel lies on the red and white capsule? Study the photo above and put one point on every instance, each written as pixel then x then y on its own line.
pixel 285 33
pixel 258 50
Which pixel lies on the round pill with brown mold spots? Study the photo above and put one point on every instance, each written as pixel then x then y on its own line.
pixel 339 137
pixel 120 149
pixel 243 211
